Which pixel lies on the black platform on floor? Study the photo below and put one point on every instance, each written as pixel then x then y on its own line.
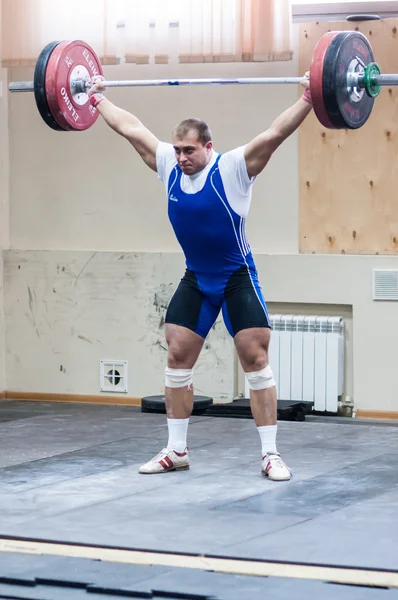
pixel 288 410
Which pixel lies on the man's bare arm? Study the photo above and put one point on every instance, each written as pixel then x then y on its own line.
pixel 125 124
pixel 260 149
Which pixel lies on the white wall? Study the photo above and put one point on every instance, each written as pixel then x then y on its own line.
pixel 4 209
pixel 2 330
pixel 343 280
pixel 67 310
pixel 70 309
pixel 73 194
pixel 90 191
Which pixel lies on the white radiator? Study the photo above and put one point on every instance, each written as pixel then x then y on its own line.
pixel 306 355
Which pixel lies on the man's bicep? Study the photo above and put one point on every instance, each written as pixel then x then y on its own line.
pixel 259 151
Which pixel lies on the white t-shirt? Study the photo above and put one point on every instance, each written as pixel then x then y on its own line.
pixel 233 171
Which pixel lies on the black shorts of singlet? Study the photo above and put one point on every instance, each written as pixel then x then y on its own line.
pixel 239 298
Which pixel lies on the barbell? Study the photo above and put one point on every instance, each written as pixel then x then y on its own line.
pixel 344 81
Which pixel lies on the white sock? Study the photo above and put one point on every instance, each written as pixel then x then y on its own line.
pixel 268 438
pixel 178 429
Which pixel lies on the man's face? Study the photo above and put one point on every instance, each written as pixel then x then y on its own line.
pixel 192 156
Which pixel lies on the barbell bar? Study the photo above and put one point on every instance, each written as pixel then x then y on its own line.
pixel 80 85
pixel 352 81
pixel 344 80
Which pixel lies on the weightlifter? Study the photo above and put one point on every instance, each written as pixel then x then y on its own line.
pixel 209 196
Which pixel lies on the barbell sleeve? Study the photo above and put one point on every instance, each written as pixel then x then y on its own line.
pixel 21 86
pixel 386 79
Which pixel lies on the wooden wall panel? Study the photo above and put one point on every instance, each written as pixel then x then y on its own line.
pixel 348 179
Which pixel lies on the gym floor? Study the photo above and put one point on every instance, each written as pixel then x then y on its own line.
pixel 68 474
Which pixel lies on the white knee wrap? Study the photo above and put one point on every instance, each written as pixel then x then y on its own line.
pixel 261 380
pixel 178 378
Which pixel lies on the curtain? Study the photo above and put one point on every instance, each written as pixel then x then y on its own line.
pixel 150 31
pixel 29 25
pixel 208 31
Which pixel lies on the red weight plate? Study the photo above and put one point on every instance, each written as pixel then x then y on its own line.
pixel 316 75
pixel 71 60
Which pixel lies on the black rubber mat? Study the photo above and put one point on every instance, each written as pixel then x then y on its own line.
pixel 288 410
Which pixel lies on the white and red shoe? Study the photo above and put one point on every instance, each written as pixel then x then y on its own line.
pixel 274 467
pixel 166 460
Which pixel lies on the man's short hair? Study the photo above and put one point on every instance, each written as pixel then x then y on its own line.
pixel 202 129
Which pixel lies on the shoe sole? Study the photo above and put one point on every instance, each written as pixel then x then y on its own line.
pixel 271 479
pixel 184 468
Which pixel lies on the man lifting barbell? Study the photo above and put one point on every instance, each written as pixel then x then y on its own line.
pixel 208 202
pixel 209 196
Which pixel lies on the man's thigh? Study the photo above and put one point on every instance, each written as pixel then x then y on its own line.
pixel 190 308
pixel 244 306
